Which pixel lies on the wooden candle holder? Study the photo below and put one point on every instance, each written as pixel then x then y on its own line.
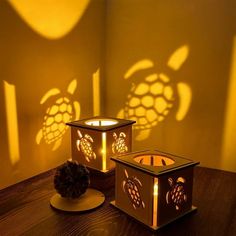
pixel 154 187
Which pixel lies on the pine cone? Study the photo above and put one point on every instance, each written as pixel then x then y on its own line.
pixel 71 179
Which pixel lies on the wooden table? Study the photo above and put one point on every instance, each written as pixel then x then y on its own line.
pixel 25 210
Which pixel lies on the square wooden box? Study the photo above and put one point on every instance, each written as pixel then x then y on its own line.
pixel 94 140
pixel 154 187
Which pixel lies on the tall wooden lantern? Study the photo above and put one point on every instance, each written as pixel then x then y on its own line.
pixel 154 187
pixel 94 140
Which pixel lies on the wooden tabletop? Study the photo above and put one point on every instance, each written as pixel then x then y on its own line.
pixel 25 210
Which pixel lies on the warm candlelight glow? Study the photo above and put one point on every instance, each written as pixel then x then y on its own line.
pixel 155 201
pixel 104 153
pixel 101 122
pixel 99 139
pixel 12 122
pixel 153 160
pixel 96 93
pixel 152 190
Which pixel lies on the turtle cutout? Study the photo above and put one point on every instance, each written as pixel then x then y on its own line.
pixel 131 187
pixel 150 101
pixel 61 111
pixel 177 193
pixel 119 145
pixel 84 144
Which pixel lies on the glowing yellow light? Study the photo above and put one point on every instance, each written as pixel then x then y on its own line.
pixel 119 144
pixel 147 101
pixel 77 110
pixel 150 101
pixel 57 115
pixel 142 89
pixel 101 122
pixel 140 65
pixel 72 86
pixel 156 88
pixel 152 77
pixel 84 144
pixel 104 152
pixel 185 95
pixel 51 19
pixel 134 102
pixel 96 93
pixel 153 160
pixel 160 104
pixel 155 202
pixel 229 136
pixel 51 92
pixel 131 187
pixel 164 77
pixel 178 57
pixel 12 122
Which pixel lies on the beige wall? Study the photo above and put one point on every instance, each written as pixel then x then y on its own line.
pixel 153 30
pixel 114 35
pixel 35 62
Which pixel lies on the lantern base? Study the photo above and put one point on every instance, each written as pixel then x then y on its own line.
pixel 88 201
pixel 193 208
pixel 102 180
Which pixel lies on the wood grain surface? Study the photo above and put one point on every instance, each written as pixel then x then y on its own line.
pixel 25 210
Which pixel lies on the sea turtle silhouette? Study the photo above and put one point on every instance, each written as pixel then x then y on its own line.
pixel 57 115
pixel 119 145
pixel 131 187
pixel 177 193
pixel 150 101
pixel 84 144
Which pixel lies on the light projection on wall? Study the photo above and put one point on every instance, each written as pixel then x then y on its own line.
pixel 153 160
pixel 57 114
pixel 119 145
pixel 229 135
pixel 177 194
pixel 155 201
pixel 12 122
pixel 131 187
pixel 51 19
pixel 150 101
pixel 96 93
pixel 84 145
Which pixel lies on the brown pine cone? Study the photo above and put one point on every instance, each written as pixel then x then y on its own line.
pixel 71 179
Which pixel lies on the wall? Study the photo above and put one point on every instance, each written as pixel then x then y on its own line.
pixel 191 44
pixel 44 46
pixel 171 64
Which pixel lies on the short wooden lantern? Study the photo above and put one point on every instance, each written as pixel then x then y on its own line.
pixel 154 187
pixel 94 140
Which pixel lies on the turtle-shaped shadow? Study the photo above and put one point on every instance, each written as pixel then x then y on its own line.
pixel 61 111
pixel 119 145
pixel 150 101
pixel 131 187
pixel 84 144
pixel 177 193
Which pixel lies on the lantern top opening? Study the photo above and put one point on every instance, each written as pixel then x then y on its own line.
pixel 154 162
pixel 101 123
